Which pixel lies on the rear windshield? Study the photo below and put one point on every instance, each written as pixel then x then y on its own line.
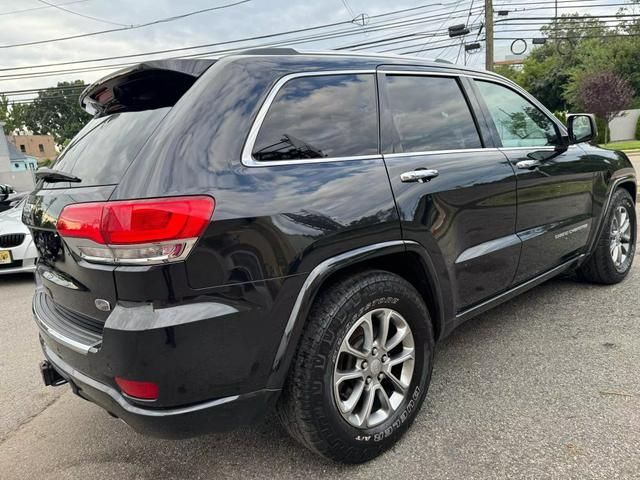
pixel 103 150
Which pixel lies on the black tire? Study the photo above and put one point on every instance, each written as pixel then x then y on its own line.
pixel 308 408
pixel 600 267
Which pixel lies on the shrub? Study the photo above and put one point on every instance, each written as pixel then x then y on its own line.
pixel 601 124
pixel 562 116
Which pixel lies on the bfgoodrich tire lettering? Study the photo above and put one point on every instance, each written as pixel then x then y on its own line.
pixel 607 265
pixel 308 408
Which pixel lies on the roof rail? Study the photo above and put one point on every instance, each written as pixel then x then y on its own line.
pixel 269 51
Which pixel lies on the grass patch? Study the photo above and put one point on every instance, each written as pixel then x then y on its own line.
pixel 628 145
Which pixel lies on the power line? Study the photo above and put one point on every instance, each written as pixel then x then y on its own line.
pixel 62 9
pixel 580 37
pixel 462 39
pixel 349 10
pixel 580 3
pixel 31 91
pixel 194 47
pixel 322 36
pixel 445 21
pixel 582 18
pixel 393 24
pixel 131 27
pixel 25 10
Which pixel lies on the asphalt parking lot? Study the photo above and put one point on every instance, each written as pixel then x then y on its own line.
pixel 545 386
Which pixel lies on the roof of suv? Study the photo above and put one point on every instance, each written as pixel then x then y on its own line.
pixel 374 57
pixel 179 74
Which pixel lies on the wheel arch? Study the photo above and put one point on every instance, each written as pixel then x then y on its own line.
pixel 408 265
pixel 406 259
pixel 631 187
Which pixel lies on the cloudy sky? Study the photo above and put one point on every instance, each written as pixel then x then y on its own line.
pixel 26 21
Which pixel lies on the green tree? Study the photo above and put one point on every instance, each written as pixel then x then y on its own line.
pixel 10 114
pixel 605 94
pixel 56 111
pixel 578 46
pixel 509 72
pixel 548 69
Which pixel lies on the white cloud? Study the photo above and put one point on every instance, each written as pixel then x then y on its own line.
pixel 257 17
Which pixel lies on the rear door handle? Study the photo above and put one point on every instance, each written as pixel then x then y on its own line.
pixel 527 164
pixel 421 175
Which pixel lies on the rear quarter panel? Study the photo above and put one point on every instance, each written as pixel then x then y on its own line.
pixel 271 225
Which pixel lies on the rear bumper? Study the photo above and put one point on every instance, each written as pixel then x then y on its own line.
pixel 216 415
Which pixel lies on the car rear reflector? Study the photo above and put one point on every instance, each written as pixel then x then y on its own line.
pixel 147 231
pixel 139 390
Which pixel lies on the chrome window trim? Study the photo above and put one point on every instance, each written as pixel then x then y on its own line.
pixel 424 73
pixel 247 157
pixel 453 75
pixel 486 77
pixel 538 148
pixel 274 163
pixel 518 90
pixel 439 152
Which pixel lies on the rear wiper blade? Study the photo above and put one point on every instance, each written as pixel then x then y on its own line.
pixel 51 175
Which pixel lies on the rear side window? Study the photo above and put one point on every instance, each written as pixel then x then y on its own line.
pixel 518 121
pixel 106 146
pixel 319 117
pixel 427 114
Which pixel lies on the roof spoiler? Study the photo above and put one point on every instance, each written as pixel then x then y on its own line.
pixel 144 86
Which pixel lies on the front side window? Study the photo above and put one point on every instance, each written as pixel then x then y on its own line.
pixel 519 122
pixel 320 117
pixel 428 114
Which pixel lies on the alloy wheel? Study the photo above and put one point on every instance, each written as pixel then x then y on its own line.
pixel 374 368
pixel 620 238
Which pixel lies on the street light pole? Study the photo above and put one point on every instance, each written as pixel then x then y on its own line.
pixel 488 30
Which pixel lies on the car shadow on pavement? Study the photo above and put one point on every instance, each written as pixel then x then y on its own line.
pixel 507 388
pixel 267 446
pixel 17 279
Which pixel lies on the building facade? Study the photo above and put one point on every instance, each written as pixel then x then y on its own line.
pixel 38 146
pixel 16 168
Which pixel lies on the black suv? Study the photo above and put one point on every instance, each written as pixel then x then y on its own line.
pixel 297 230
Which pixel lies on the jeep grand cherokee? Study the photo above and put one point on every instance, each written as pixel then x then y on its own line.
pixel 297 230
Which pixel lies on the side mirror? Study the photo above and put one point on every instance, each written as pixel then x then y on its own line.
pixel 5 190
pixel 582 128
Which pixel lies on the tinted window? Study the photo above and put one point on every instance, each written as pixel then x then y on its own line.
pixel 106 146
pixel 428 113
pixel 324 116
pixel 519 122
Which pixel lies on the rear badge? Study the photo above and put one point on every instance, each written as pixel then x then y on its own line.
pixel 102 305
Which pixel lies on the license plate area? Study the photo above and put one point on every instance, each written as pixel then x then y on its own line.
pixel 5 257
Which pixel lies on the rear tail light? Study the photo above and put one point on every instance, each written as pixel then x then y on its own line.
pixel 138 390
pixel 134 232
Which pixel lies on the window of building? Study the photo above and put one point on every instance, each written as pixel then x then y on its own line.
pixel 41 148
pixel 23 148
pixel 320 116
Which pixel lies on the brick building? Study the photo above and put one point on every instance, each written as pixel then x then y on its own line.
pixel 39 146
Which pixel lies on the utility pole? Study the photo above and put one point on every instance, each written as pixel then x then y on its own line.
pixel 488 33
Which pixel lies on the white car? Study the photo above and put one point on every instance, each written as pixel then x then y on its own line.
pixel 17 250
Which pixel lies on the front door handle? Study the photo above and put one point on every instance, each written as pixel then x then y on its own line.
pixel 421 175
pixel 527 164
